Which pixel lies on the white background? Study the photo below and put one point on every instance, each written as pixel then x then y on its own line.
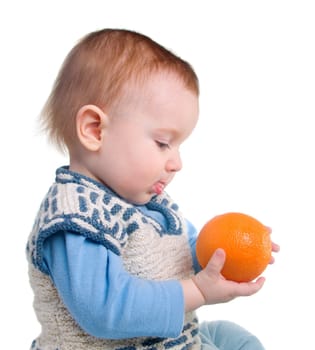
pixel 253 150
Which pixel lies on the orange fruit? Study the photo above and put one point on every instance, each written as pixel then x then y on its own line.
pixel 246 243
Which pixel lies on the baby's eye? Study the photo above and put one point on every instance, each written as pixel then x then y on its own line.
pixel 162 145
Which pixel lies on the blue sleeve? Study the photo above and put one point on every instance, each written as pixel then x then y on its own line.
pixel 192 236
pixel 104 299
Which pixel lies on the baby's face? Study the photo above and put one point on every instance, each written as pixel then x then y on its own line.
pixel 140 152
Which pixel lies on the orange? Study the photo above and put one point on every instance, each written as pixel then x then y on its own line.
pixel 246 243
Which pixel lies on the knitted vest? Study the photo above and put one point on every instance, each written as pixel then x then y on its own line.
pixel 78 204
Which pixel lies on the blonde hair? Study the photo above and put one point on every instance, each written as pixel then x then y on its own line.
pixel 96 70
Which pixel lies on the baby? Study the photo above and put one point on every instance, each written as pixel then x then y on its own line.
pixel 112 260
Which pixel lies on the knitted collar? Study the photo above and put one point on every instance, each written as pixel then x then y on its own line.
pixel 161 203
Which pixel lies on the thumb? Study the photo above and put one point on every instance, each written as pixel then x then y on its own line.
pixel 216 262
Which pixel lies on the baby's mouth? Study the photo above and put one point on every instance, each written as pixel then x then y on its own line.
pixel 158 187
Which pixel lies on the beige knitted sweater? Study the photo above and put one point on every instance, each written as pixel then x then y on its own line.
pixel 79 204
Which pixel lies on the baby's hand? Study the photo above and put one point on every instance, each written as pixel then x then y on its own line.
pixel 215 288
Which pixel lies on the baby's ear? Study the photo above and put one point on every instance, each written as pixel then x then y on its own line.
pixel 90 124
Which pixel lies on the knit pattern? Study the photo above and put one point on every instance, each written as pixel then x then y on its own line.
pixel 78 204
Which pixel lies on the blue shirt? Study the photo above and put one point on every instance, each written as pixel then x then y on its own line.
pixel 107 301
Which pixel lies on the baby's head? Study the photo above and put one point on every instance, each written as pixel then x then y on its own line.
pixel 98 70
pixel 122 105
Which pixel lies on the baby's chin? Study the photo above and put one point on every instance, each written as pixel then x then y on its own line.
pixel 140 199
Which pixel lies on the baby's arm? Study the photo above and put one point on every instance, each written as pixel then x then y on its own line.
pixel 108 302
pixel 104 299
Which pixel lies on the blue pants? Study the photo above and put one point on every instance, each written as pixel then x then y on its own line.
pixel 226 335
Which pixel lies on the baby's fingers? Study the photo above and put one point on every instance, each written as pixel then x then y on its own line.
pixel 275 248
pixel 246 289
pixel 216 263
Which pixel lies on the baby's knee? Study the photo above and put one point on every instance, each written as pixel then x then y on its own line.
pixel 229 335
